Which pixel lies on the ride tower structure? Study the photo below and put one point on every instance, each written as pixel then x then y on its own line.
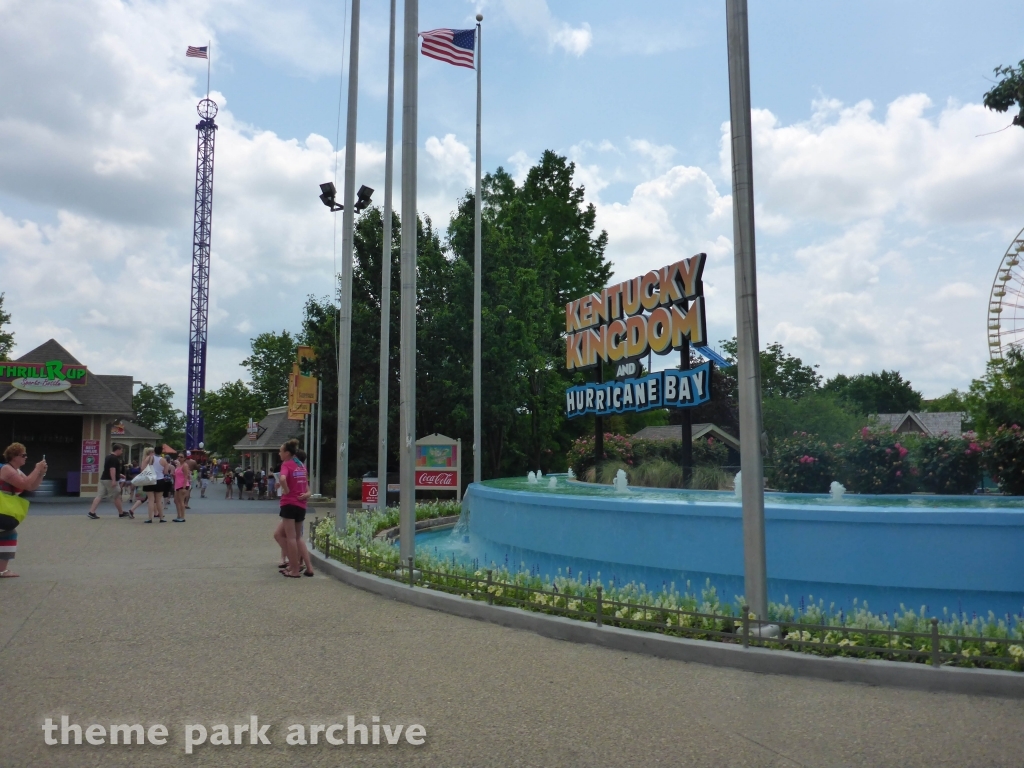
pixel 200 304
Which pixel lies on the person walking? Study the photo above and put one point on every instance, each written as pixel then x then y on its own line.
pixel 14 481
pixel 204 480
pixel 294 495
pixel 240 481
pixel 110 486
pixel 229 483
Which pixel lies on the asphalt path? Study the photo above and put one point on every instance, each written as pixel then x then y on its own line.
pixel 119 622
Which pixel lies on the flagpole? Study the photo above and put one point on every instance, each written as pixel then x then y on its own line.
pixel 477 277
pixel 407 429
pixel 345 310
pixel 209 63
pixel 385 280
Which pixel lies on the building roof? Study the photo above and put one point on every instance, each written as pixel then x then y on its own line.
pixel 133 431
pixel 696 430
pixel 932 424
pixel 277 429
pixel 105 395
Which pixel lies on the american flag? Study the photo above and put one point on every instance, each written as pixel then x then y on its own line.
pixel 456 46
pixel 196 53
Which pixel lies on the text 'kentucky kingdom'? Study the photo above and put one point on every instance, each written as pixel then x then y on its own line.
pixel 612 325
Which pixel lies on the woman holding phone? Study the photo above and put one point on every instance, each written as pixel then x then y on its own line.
pixel 14 481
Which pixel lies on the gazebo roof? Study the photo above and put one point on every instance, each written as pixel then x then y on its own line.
pixel 277 429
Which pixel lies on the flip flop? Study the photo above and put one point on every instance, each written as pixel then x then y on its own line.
pixel 6 574
pixel 307 573
pixel 289 576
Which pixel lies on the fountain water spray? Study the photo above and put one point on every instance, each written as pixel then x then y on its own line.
pixel 620 483
pixel 737 485
pixel 837 490
pixel 552 482
pixel 531 478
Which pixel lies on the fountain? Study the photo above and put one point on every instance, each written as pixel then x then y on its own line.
pixel 737 485
pixel 955 552
pixel 552 482
pixel 837 490
pixel 620 483
pixel 570 474
pixel 531 478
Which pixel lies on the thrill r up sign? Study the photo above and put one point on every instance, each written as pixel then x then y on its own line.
pixel 657 312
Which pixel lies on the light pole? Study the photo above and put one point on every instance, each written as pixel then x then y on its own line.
pixel 747 355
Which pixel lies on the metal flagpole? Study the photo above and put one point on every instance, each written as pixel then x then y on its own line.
pixel 209 62
pixel 385 280
pixel 319 430
pixel 747 357
pixel 477 278
pixel 407 429
pixel 345 310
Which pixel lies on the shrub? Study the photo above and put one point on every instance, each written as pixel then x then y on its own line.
pixel 948 464
pixel 706 452
pixel 803 464
pixel 711 479
pixel 874 461
pixel 1004 459
pixel 616 448
pixel 657 473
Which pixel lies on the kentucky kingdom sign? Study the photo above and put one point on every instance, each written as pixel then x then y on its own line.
pixel 657 312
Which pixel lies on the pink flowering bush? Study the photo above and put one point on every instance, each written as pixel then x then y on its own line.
pixel 1003 457
pixel 616 448
pixel 802 464
pixel 949 463
pixel 875 461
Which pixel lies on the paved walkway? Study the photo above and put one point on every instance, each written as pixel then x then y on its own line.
pixel 114 621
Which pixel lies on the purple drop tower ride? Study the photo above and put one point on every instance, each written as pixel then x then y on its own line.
pixel 200 304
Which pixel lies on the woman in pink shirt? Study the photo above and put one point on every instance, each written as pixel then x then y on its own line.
pixel 181 473
pixel 294 494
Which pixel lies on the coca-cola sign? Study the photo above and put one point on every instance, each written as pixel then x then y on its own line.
pixel 427 478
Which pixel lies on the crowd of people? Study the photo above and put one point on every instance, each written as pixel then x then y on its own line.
pixel 158 480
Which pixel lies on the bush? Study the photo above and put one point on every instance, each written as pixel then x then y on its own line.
pixel 355 488
pixel 803 464
pixel 874 461
pixel 948 464
pixel 616 448
pixel 706 452
pixel 711 479
pixel 1004 459
pixel 657 473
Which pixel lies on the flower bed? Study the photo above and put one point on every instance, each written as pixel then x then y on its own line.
pixel 907 636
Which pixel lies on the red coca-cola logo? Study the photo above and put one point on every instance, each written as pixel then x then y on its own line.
pixel 436 479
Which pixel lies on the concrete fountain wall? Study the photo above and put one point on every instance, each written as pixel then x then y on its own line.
pixel 958 558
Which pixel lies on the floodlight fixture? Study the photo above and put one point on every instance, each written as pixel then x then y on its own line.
pixel 327 194
pixel 363 198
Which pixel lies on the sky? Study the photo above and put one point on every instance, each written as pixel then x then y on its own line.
pixel 881 212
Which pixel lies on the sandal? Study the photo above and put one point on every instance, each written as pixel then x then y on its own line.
pixel 289 575
pixel 6 574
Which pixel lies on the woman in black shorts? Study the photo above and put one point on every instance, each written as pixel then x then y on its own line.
pixel 294 495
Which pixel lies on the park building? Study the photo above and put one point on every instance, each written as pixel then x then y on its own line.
pixel 58 408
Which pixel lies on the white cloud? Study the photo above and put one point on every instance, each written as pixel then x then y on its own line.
pixel 534 18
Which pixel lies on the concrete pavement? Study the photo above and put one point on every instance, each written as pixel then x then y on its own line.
pixel 114 621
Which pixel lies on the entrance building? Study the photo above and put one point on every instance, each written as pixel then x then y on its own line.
pixel 60 409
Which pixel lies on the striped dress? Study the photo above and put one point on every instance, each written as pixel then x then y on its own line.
pixel 8 539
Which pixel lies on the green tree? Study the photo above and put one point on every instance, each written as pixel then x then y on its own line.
pixel 997 398
pixel 870 393
pixel 269 364
pixel 819 413
pixel 6 337
pixel 154 409
pixel 226 414
pixel 782 374
pixel 1008 93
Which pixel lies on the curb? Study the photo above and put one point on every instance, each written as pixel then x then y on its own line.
pixel 890 674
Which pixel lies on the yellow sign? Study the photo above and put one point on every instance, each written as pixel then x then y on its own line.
pixel 302 390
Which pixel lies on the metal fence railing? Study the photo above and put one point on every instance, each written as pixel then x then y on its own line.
pixel 890 643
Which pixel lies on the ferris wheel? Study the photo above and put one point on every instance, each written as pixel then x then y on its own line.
pixel 1006 302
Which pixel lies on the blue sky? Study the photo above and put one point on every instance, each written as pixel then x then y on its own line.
pixel 881 218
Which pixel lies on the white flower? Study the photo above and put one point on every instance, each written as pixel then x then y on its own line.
pixel 1016 651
